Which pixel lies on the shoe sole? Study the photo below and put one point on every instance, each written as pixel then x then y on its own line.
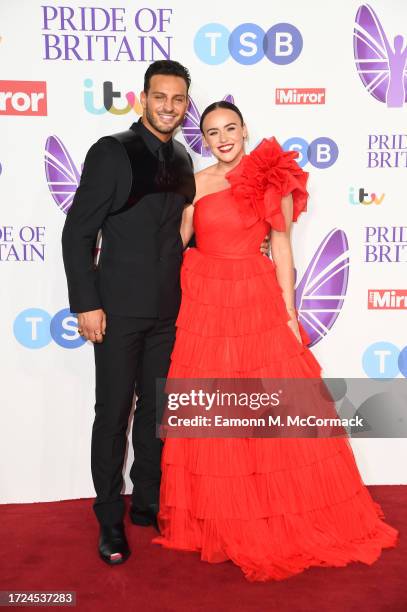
pixel 120 561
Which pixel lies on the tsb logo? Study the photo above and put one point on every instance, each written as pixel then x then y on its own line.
pixel 384 360
pixel 23 98
pixel 34 328
pixel 248 43
pixel 320 153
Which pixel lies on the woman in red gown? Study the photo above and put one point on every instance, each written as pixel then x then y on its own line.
pixel 274 506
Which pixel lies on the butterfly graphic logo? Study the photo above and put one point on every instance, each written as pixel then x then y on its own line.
pixel 381 67
pixel 320 294
pixel 62 175
pixel 190 127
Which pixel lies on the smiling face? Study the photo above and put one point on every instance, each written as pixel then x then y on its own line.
pixel 224 134
pixel 164 104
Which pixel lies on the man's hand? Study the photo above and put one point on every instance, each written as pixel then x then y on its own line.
pixel 265 245
pixel 92 325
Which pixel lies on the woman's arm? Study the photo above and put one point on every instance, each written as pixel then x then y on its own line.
pixel 283 258
pixel 187 225
pixel 187 222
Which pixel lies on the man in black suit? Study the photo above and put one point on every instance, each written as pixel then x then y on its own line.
pixel 134 187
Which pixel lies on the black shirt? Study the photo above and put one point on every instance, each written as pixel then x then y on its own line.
pixel 151 140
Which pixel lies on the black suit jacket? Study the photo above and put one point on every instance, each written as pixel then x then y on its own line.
pixel 139 264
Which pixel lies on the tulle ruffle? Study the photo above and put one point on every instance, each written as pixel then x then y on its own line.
pixel 272 506
pixel 262 178
pixel 233 322
pixel 273 525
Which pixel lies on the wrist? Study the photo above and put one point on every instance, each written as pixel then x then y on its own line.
pixel 292 312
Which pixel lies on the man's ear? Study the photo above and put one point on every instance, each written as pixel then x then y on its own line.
pixel 143 99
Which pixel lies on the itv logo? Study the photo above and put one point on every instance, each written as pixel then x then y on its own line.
pixel 109 95
pixel 361 196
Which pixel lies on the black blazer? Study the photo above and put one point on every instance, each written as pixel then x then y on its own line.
pixel 122 192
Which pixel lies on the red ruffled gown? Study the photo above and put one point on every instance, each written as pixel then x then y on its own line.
pixel 273 506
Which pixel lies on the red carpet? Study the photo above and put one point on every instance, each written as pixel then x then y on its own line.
pixel 52 546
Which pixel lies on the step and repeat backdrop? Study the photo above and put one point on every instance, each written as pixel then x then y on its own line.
pixel 326 79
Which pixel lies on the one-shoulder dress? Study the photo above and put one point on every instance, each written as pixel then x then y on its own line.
pixel 273 506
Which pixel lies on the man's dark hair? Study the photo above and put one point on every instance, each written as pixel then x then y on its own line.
pixel 167 67
pixel 220 104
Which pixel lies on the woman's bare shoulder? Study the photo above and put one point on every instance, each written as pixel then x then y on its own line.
pixel 202 180
pixel 204 174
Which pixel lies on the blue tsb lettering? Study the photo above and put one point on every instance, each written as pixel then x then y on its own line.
pixel 248 43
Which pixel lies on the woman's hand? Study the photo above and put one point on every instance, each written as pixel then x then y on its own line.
pixel 293 325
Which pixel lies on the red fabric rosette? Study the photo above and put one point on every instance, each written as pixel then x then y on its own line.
pixel 262 178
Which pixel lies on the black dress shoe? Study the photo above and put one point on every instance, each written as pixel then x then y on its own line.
pixel 113 546
pixel 145 518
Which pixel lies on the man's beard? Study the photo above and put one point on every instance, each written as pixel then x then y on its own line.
pixel 162 130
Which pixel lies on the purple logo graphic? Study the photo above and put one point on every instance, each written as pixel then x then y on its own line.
pixel 381 68
pixel 190 128
pixel 62 174
pixel 320 294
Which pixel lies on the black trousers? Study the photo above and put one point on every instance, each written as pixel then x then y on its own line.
pixel 134 353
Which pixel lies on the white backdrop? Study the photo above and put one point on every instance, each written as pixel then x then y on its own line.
pixel 47 389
